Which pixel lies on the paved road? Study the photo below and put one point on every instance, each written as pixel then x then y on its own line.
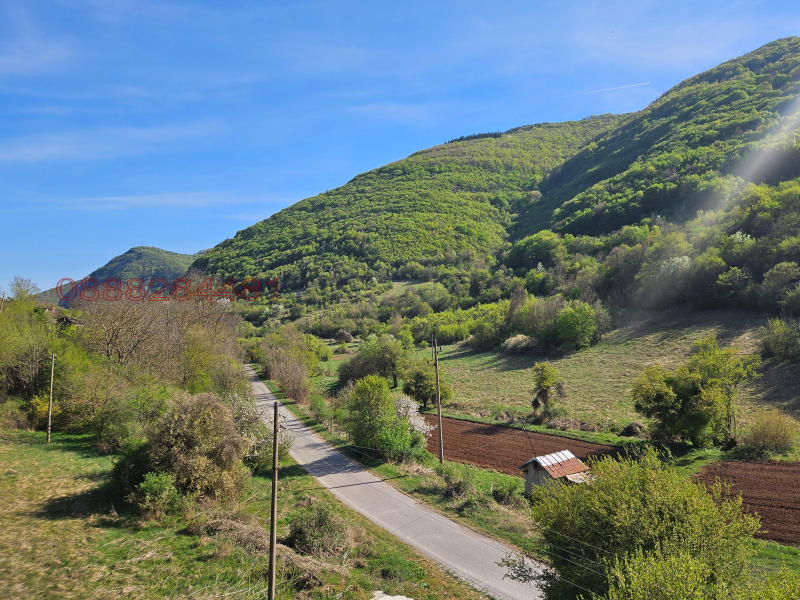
pixel 468 555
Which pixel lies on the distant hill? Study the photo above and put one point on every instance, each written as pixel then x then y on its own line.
pixel 144 262
pixel 450 211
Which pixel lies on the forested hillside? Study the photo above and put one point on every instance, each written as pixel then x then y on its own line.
pixel 451 203
pixel 722 142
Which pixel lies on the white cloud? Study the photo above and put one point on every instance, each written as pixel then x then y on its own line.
pixel 101 143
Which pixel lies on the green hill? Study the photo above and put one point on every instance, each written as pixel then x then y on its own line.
pixel 622 194
pixel 144 262
pixel 449 203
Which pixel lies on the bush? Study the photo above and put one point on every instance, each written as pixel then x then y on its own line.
pixel 197 441
pixel 320 410
pixel 12 415
pixel 157 494
pixel 457 483
pixel 133 462
pixel 518 344
pixel 509 492
pixel 575 326
pixel 318 531
pixel 781 338
pixel 772 431
pixel 635 504
pixel 371 420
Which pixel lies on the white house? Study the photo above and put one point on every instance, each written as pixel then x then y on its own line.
pixel 560 465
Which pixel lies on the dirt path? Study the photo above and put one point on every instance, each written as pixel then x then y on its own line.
pixel 502 448
pixel 772 489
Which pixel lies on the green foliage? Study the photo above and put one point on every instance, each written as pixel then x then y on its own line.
pixel 575 326
pixel 371 419
pixel 450 201
pixel 781 338
pixel 157 494
pixel 420 383
pixel 381 355
pixel 318 531
pixel 197 441
pixel 696 401
pixel 546 382
pixel 146 263
pixel 635 505
pixel 772 432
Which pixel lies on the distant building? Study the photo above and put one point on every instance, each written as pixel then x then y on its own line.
pixel 560 465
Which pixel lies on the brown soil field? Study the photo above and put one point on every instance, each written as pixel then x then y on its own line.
pixel 772 489
pixel 502 448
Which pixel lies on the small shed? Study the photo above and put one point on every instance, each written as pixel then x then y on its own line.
pixel 559 465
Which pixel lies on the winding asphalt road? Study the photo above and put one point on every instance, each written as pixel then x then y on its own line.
pixel 468 555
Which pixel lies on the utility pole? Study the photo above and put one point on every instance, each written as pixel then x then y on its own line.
pixel 50 402
pixel 273 526
pixel 2 301
pixel 435 346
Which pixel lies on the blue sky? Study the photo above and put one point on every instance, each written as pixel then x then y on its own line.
pixel 177 123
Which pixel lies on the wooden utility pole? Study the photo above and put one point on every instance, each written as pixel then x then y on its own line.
pixel 50 402
pixel 438 398
pixel 273 526
pixel 2 301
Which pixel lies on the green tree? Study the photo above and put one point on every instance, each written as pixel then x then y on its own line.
pixel 696 401
pixel 381 355
pixel 371 418
pixel 634 505
pixel 420 383
pixel 546 383
pixel 575 325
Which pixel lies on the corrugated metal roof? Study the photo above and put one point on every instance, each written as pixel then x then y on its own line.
pixel 558 464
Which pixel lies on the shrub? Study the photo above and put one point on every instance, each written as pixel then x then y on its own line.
pixel 456 483
pixel 509 492
pixel 133 462
pixel 320 409
pixel 157 494
pixel 575 326
pixel 518 344
pixel 318 531
pixel 781 338
pixel 635 505
pixel 197 441
pixel 12 415
pixel 772 431
pixel 371 420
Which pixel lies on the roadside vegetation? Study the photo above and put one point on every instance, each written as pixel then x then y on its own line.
pixel 66 532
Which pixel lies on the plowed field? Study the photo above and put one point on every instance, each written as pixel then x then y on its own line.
pixel 772 489
pixel 502 448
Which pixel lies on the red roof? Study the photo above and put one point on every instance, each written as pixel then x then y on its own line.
pixel 559 464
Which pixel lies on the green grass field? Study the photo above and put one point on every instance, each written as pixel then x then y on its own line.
pixel 598 379
pixel 65 534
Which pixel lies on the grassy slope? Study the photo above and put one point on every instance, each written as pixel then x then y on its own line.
pixel 60 537
pixel 598 379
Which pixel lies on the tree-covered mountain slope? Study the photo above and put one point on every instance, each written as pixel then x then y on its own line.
pixel 448 203
pixel 698 142
pixel 699 146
